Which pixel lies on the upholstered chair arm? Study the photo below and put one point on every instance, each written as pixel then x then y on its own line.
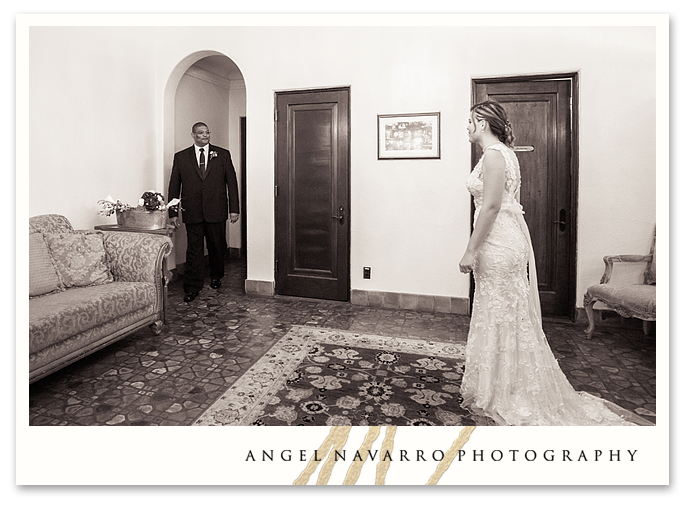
pixel 136 256
pixel 609 260
pixel 50 223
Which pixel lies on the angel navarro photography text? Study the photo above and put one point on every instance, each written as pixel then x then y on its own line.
pixel 550 455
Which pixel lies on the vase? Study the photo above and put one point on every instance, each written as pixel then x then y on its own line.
pixel 142 219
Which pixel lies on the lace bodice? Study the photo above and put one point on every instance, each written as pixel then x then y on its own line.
pixel 474 184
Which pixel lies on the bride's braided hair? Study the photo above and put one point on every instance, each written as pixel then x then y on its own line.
pixel 492 112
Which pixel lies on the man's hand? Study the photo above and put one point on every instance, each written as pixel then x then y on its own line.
pixel 234 217
pixel 175 222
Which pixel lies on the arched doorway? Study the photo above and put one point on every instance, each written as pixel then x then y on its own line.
pixel 207 86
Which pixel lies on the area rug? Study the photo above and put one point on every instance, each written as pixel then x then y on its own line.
pixel 324 377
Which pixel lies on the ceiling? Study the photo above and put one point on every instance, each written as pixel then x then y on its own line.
pixel 220 66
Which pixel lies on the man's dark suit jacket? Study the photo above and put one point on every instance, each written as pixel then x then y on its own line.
pixel 204 198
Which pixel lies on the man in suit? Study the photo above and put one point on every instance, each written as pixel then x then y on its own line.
pixel 209 193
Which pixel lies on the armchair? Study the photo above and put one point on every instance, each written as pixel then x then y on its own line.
pixel 636 300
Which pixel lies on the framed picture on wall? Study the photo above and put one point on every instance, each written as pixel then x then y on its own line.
pixel 408 136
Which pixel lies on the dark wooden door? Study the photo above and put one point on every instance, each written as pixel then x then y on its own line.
pixel 312 195
pixel 540 113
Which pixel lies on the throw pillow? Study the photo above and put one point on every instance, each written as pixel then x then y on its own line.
pixel 80 258
pixel 43 278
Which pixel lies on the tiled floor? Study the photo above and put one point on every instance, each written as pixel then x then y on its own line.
pixel 208 344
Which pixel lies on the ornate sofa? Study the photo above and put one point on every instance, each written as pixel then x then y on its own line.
pixel 636 300
pixel 88 289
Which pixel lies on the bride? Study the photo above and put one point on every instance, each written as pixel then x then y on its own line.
pixel 511 375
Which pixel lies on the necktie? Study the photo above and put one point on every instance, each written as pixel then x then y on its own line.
pixel 201 160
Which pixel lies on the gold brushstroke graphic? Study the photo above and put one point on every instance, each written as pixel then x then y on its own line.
pixel 387 446
pixel 337 437
pixel 354 471
pixel 339 440
pixel 459 442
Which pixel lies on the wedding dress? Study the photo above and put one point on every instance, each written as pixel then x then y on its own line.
pixel 511 374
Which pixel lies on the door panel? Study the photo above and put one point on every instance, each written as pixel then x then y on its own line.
pixel 311 168
pixel 312 194
pixel 541 119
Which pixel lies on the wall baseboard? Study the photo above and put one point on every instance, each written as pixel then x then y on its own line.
pixel 258 287
pixel 426 303
pixel 388 300
pixel 411 302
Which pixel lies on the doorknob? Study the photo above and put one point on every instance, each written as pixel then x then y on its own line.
pixel 562 222
pixel 341 215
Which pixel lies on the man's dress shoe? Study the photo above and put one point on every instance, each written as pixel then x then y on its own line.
pixel 216 283
pixel 189 297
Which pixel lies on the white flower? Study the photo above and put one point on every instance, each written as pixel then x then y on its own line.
pixel 110 206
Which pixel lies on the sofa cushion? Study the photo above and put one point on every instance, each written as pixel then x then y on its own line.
pixel 637 299
pixel 43 278
pixel 55 317
pixel 80 258
pixel 53 357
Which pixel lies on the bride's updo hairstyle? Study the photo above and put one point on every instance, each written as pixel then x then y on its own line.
pixel 495 115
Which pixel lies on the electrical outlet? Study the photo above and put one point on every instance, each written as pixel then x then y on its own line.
pixel 366 272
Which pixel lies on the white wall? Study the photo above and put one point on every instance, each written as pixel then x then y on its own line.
pixel 617 206
pixel 236 111
pixel 410 219
pixel 91 120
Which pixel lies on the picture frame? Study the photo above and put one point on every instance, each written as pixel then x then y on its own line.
pixel 412 136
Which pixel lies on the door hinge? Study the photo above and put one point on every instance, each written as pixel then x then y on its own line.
pixel 276 191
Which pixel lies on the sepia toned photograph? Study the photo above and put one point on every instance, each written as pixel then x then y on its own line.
pixel 227 264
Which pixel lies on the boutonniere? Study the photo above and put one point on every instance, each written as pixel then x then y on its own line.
pixel 213 154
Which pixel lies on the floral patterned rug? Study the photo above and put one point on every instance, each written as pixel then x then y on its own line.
pixel 323 377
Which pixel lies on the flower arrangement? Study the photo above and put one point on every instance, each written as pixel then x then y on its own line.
pixel 110 206
pixel 150 201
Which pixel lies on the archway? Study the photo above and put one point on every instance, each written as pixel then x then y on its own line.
pixel 206 86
